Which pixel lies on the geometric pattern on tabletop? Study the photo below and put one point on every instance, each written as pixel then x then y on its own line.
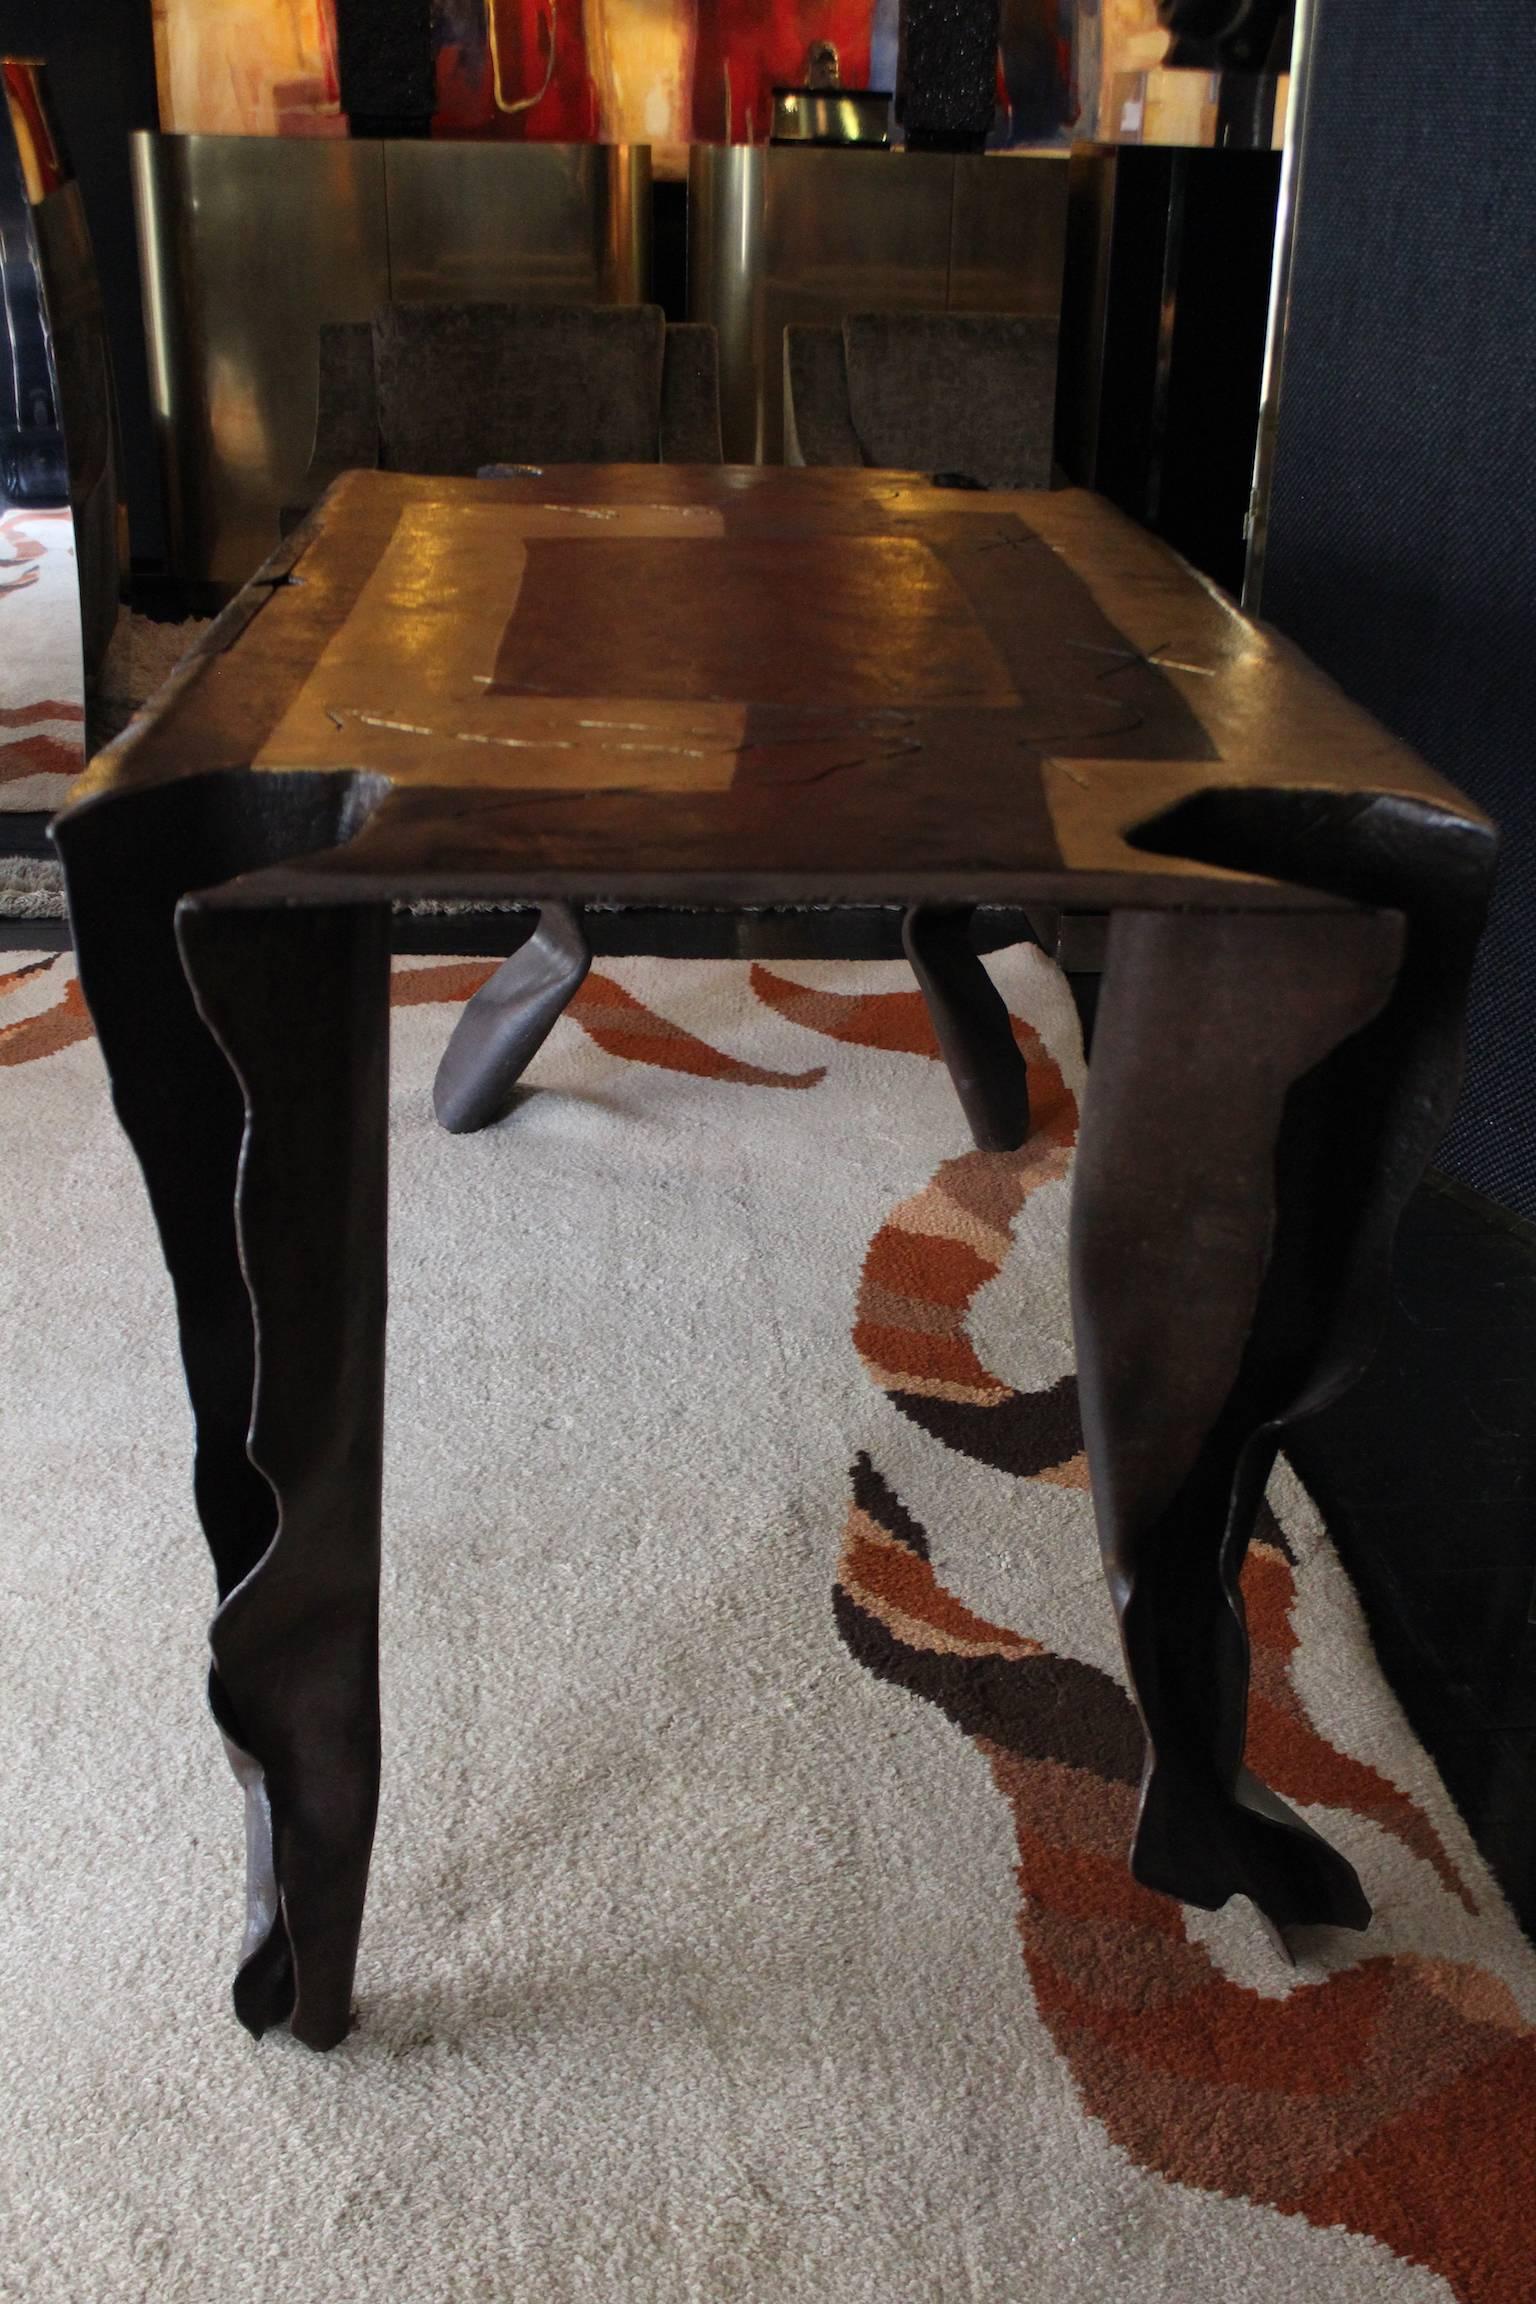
pixel 685 687
pixel 658 1827
pixel 995 688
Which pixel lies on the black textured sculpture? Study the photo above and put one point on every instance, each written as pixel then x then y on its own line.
pixel 384 58
pixel 1232 35
pixel 946 96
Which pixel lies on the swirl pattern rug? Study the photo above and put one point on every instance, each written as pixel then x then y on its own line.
pixel 750 1914
pixel 42 673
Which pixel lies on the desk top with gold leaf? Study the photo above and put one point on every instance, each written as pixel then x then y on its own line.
pixel 663 687
pixel 749 684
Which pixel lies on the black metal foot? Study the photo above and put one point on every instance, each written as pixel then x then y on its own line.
pixel 508 1021
pixel 974 1028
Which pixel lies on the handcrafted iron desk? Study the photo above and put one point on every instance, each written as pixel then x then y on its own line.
pixel 725 688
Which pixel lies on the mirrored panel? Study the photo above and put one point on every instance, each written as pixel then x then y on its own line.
pixel 58 465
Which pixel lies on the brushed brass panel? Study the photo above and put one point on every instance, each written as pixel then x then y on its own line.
pixel 831 116
pixel 778 234
pixel 726 185
pixel 784 233
pixel 247 243
pixel 537 223
pixel 870 225
pixel 1008 234
pixel 842 232
pixel 1091 172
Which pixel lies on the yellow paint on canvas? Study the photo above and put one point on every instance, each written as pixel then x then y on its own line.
pixel 247 67
pixel 640 54
pixel 1131 40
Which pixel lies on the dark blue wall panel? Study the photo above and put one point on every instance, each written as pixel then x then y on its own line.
pixel 1402 550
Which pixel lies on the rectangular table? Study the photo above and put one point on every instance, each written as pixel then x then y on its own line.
pixel 662 687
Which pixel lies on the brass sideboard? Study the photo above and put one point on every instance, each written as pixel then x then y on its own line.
pixel 781 233
pixel 248 243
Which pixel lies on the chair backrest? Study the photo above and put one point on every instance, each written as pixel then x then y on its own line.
pixel 963 392
pixel 347 407
pixel 453 388
pixel 461 385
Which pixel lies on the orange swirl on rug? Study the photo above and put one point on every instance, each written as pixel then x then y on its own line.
pixel 13 527
pixel 1394 2098
pixel 624 1026
pixel 895 1022
pixel 37 756
pixel 620 1024
pixel 46 708
pixel 924 1270
pixel 58 1026
pixel 1283 1746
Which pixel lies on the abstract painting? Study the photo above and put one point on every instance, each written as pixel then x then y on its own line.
pixel 614 71
pixel 248 67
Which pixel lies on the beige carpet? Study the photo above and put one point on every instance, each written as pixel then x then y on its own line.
pixel 43 721
pixel 43 709
pixel 750 1918
pixel 42 672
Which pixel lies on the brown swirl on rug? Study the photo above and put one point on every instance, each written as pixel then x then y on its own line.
pixel 620 1025
pixel 1388 2098
pixel 896 1022
pixel 59 1025
pixel 1394 2098
pixel 938 1250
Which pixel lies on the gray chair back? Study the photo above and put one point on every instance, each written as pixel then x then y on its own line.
pixel 461 385
pixel 451 388
pixel 973 393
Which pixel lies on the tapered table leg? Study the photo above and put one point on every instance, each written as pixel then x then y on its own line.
pixel 298 1000
pixel 1241 1141
pixel 508 1021
pixel 248 1056
pixel 971 1020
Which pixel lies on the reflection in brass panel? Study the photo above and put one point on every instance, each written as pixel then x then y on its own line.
pixel 1085 310
pixel 1008 234
pixel 84 392
pixel 725 271
pixel 848 231
pixel 247 243
pixel 796 234
pixel 537 223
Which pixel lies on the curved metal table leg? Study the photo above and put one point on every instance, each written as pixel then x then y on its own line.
pixel 970 1017
pixel 248 1057
pixel 1228 1220
pixel 298 1000
pixel 508 1021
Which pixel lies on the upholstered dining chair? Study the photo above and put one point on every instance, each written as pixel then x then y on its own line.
pixel 447 389
pixel 968 394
